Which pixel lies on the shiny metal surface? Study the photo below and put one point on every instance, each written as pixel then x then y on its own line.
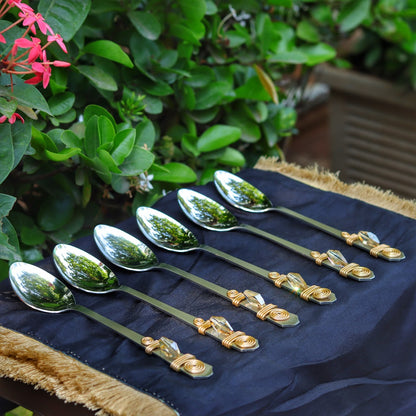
pixel 39 289
pixel 164 231
pixel 205 211
pixel 83 271
pixel 124 250
pixel 240 193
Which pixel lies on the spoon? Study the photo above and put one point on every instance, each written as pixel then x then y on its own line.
pixel 169 234
pixel 209 214
pixel 245 196
pixel 44 292
pixel 89 274
pixel 129 253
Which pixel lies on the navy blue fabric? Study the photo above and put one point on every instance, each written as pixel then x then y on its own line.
pixel 355 357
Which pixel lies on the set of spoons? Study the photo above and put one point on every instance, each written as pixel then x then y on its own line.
pixel 42 291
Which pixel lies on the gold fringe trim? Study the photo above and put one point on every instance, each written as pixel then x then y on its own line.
pixel 25 359
pixel 328 181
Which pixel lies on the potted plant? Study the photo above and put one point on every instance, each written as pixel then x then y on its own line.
pixel 372 99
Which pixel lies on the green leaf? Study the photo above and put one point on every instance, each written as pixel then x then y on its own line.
pixel 217 137
pixel 106 131
pixel 70 139
pixel 290 57
pixel 250 131
pixel 211 95
pixel 307 31
pixel 98 77
pixel 137 162
pixel 96 110
pixel 146 24
pixel 7 107
pixel 145 134
pixel 32 236
pixel 123 145
pixel 201 76
pixel 353 13
pixel 193 10
pixel 158 88
pixel 318 53
pixel 100 168
pixel 185 33
pixel 25 95
pixel 67 117
pixel 107 159
pixel 232 157
pixel 21 136
pixel 92 137
pixel 173 172
pixel 61 103
pixel 6 204
pixel 9 244
pixel 65 16
pixel 64 154
pixel 55 212
pixel 6 152
pixel 109 50
pixel 252 90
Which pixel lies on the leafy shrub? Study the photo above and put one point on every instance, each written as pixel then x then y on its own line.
pixel 160 93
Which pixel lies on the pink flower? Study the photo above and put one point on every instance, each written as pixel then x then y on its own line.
pixel 60 63
pixel 34 45
pixel 2 38
pixel 12 119
pixel 31 18
pixel 58 39
pixel 44 70
pixel 22 6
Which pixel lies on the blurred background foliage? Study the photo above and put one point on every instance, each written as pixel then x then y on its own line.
pixel 161 93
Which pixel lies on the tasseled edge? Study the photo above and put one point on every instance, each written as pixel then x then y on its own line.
pixel 328 181
pixel 29 361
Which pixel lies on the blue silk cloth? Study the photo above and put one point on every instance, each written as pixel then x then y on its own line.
pixel 354 357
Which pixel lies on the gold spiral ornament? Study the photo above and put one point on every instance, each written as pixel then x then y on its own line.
pixel 391 252
pixel 245 341
pixel 194 366
pixel 279 314
pixel 147 340
pixel 361 271
pixel 321 293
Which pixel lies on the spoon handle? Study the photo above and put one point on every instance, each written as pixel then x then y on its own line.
pixel 275 315
pixel 382 251
pixel 219 290
pixel 195 322
pixel 353 271
pixel 235 260
pixel 271 277
pixel 185 363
